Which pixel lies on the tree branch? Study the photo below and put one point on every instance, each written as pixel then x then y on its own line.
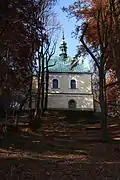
pixel 86 47
pixel 51 65
pixel 112 84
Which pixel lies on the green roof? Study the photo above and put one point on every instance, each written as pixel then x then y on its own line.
pixel 64 65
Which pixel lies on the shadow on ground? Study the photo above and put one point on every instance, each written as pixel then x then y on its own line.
pixel 60 149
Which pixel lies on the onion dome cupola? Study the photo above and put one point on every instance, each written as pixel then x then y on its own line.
pixel 63 48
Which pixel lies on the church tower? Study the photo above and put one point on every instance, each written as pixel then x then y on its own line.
pixel 63 48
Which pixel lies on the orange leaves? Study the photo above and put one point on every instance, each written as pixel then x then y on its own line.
pixel 102 30
pixel 92 35
pixel 112 91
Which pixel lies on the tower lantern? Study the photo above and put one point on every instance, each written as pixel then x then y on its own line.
pixel 63 48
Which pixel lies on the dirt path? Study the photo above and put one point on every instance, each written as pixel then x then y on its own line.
pixel 59 152
pixel 57 169
pixel 87 160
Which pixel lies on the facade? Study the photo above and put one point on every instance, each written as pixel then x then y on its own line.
pixel 69 89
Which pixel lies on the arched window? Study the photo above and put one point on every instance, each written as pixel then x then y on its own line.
pixel 72 104
pixel 55 83
pixel 73 84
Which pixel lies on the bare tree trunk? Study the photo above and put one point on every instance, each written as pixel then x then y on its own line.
pixel 30 94
pixel 102 97
pixel 42 82
pixel 38 102
pixel 37 116
pixel 47 85
pixel 31 73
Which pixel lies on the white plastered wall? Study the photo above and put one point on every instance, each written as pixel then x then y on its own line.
pixel 83 83
pixel 60 101
pixel 59 98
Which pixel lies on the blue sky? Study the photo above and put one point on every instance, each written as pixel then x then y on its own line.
pixel 68 25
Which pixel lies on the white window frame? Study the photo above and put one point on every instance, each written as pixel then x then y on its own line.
pixel 70 83
pixel 58 83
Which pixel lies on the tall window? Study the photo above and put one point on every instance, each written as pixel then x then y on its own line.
pixel 73 84
pixel 55 83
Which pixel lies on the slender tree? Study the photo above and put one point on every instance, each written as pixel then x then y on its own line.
pixel 43 29
pixel 95 32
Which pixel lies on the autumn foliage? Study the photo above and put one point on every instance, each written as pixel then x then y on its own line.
pixel 103 13
pixel 21 33
pixel 15 44
pixel 112 91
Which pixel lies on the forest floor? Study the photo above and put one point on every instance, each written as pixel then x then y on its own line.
pixel 59 151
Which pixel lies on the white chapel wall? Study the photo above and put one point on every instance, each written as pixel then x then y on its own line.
pixel 83 83
pixel 59 98
pixel 60 101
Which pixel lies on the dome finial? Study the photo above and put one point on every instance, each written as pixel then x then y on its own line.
pixel 63 47
pixel 63 35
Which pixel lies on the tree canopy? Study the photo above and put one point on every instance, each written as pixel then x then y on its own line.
pixel 102 19
pixel 21 30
